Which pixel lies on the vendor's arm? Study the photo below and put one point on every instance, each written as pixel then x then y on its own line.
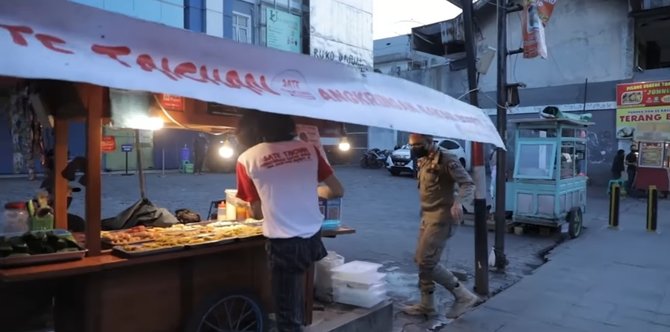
pixel 246 191
pixel 332 187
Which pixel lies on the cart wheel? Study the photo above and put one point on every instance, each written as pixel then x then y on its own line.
pixel 229 312
pixel 575 222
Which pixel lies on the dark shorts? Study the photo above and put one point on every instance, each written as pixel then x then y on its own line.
pixel 295 254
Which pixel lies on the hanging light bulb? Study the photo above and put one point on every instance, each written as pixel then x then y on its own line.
pixel 344 144
pixel 226 151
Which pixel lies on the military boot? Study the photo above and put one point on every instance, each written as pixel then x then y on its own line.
pixel 464 301
pixel 425 308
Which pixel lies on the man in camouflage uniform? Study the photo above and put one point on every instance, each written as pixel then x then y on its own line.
pixel 441 210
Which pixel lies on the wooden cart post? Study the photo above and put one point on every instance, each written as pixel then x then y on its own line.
pixel 93 98
pixel 60 189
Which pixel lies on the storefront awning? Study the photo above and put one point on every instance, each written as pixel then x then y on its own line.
pixel 61 40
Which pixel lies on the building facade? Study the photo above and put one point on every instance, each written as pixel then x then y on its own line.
pixel 280 24
pixel 592 47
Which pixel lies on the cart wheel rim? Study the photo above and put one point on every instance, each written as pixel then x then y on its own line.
pixel 576 223
pixel 234 313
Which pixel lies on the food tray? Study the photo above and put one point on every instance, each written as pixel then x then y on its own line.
pixel 226 223
pixel 248 236
pixel 42 258
pixel 129 254
pixel 110 243
pixel 212 243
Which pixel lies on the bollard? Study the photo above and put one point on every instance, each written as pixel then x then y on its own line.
pixel 614 206
pixel 163 162
pixel 652 209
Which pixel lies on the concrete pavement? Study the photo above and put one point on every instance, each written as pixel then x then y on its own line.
pixel 383 209
pixel 606 280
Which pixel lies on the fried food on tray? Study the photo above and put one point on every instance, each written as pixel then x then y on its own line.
pixel 178 235
pixel 126 237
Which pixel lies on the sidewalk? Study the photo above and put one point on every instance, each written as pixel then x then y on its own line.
pixel 606 280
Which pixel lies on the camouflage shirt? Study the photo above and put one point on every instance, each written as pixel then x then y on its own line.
pixel 439 174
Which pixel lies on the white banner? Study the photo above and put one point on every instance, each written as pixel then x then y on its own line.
pixel 58 39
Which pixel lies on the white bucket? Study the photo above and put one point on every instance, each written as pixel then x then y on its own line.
pixel 323 277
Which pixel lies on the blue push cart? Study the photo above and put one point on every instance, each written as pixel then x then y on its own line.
pixel 548 187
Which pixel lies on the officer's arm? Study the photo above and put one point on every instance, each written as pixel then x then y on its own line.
pixel 466 187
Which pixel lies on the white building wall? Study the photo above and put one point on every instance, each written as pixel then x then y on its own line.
pixel 585 39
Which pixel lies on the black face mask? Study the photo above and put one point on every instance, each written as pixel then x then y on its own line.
pixel 420 151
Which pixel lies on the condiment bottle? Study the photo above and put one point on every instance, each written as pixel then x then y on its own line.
pixel 221 212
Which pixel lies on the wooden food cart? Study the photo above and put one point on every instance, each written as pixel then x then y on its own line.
pixel 51 44
pixel 161 292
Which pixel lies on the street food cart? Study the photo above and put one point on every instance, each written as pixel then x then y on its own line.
pixel 653 166
pixel 550 173
pixel 74 57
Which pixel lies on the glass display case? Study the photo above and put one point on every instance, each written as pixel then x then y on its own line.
pixel 651 154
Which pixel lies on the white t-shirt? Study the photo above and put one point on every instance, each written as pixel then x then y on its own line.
pixel 284 177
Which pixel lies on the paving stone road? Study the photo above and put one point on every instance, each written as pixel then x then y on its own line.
pixel 383 210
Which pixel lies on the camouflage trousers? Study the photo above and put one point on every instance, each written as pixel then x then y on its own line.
pixel 432 241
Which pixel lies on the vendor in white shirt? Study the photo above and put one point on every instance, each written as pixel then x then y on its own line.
pixel 279 177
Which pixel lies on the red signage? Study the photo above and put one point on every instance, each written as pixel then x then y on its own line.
pixel 172 102
pixel 108 144
pixel 643 94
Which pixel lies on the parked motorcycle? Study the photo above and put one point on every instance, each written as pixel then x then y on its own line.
pixel 374 158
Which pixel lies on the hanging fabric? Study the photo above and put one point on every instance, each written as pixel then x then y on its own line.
pixel 26 132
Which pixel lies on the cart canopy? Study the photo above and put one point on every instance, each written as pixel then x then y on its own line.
pixel 62 40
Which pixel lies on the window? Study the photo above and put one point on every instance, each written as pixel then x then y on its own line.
pixel 449 145
pixel 241 27
pixel 535 161
pixel 652 47
pixel 651 4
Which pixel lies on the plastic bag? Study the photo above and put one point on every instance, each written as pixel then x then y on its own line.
pixel 323 277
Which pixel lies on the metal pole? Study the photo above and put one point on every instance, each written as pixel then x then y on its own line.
pixel 501 154
pixel 163 162
pixel 140 169
pixel 479 172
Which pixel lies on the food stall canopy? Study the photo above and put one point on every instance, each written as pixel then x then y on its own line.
pixel 62 40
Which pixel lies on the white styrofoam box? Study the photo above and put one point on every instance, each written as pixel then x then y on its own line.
pixel 361 278
pixel 355 270
pixel 366 283
pixel 360 297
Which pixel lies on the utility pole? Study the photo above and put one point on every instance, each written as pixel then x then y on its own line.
pixel 481 233
pixel 504 8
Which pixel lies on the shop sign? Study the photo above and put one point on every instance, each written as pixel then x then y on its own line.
pixel 643 111
pixel 126 148
pixel 108 144
pixel 172 102
pixel 120 52
pixel 283 31
pixel 341 30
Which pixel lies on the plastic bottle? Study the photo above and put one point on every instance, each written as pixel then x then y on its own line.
pixel 241 211
pixel 221 212
pixel 185 154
